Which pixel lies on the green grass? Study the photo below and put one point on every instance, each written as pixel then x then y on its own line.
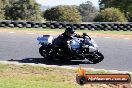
pixel 107 32
pixel 27 76
pixel 58 31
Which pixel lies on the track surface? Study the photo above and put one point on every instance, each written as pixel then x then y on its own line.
pixel 23 47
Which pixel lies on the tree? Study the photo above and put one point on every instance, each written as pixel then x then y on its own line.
pixel 110 15
pixel 124 5
pixel 4 6
pixel 23 10
pixel 62 13
pixel 3 3
pixel 87 11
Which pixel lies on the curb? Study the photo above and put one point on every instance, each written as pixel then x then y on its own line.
pixel 65 67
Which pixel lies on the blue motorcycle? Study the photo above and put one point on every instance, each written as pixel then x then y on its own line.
pixel 81 49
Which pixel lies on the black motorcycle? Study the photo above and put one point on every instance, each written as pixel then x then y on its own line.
pixel 81 49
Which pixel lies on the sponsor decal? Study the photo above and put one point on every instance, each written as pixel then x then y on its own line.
pixel 83 78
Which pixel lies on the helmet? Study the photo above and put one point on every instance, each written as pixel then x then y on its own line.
pixel 70 29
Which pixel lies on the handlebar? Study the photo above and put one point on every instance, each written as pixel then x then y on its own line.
pixel 84 37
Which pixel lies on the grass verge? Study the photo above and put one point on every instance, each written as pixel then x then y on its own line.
pixel 26 76
pixel 59 31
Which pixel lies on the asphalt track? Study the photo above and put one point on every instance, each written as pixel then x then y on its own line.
pixel 23 48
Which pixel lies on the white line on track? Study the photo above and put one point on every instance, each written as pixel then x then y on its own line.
pixel 126 38
pixel 106 37
pixel 30 33
pixel 93 36
pixel 12 32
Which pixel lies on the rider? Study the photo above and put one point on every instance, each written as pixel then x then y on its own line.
pixel 62 41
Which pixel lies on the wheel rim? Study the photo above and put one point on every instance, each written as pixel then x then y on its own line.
pixel 43 53
pixel 96 58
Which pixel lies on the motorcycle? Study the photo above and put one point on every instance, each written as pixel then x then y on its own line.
pixel 83 48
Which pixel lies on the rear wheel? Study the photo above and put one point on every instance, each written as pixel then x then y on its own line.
pixel 45 51
pixel 96 58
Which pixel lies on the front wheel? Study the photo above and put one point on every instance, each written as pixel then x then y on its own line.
pixel 96 58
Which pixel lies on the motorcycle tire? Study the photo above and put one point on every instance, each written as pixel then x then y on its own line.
pixel 96 58
pixel 43 52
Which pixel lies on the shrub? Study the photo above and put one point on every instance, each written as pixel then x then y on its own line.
pixel 62 13
pixel 110 15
